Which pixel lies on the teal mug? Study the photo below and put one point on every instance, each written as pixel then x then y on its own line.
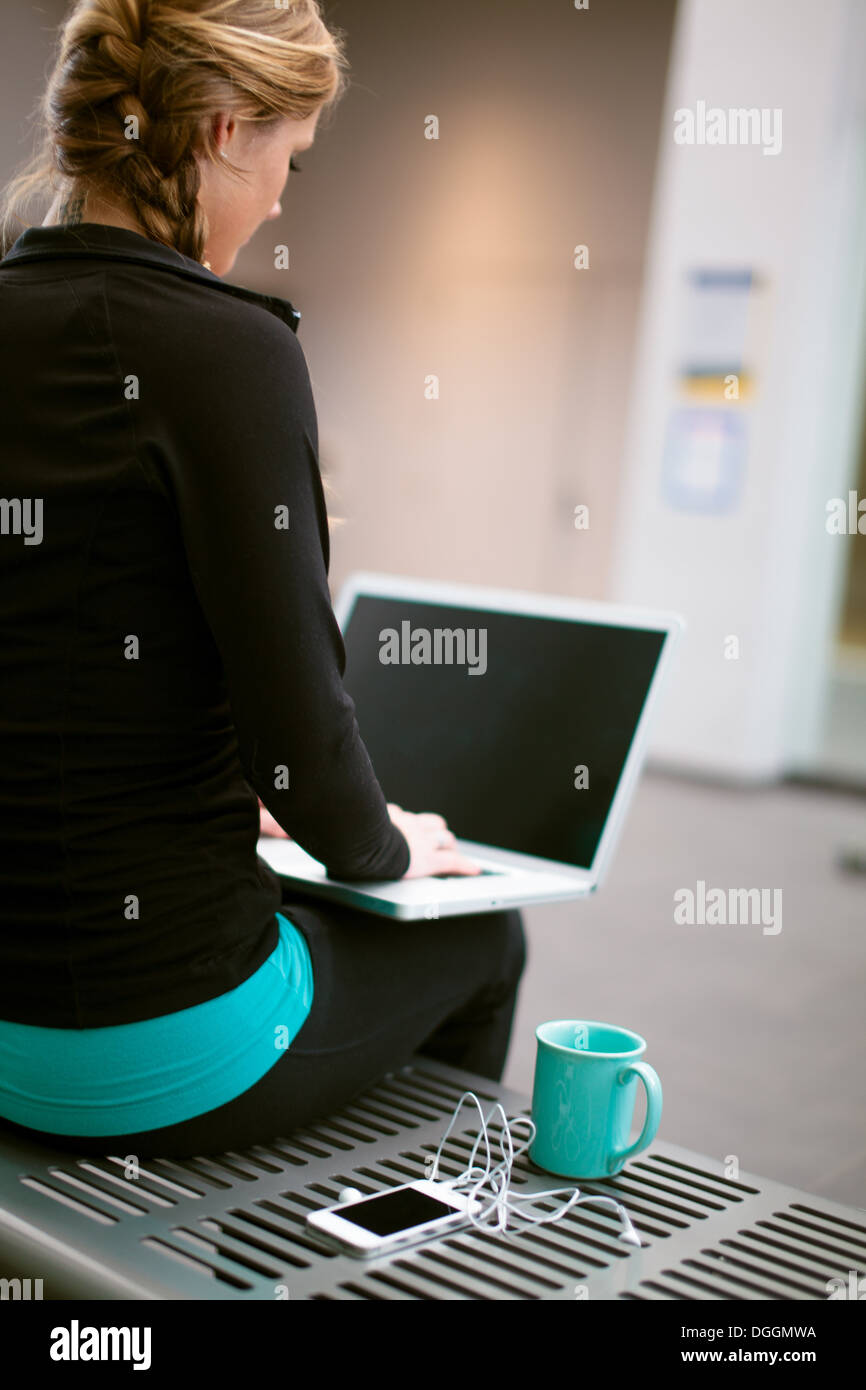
pixel 583 1098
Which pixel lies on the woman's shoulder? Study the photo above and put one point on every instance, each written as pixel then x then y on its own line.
pixel 213 337
pixel 179 309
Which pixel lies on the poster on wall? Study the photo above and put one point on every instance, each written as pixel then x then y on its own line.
pixel 707 436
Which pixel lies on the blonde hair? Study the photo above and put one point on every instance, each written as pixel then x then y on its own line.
pixel 128 106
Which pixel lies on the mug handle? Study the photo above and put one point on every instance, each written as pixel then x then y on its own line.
pixel 650 1079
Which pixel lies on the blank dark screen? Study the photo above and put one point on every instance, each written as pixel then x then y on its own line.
pixel 395 1211
pixel 495 753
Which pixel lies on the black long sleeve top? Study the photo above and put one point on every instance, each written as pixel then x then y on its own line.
pixel 168 648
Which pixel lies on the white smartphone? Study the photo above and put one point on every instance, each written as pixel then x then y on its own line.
pixel 390 1220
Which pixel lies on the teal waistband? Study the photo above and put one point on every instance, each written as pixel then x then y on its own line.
pixel 159 1071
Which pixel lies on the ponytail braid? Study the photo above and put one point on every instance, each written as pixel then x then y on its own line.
pixel 112 62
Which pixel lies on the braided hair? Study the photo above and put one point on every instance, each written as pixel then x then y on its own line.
pixel 127 112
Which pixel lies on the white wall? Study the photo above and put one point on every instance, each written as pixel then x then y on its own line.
pixel 768 572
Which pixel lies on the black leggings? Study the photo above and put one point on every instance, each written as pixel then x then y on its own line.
pixel 382 990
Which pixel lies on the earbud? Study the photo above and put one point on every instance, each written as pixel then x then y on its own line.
pixel 349 1194
pixel 630 1236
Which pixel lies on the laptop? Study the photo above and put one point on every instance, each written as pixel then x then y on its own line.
pixel 521 718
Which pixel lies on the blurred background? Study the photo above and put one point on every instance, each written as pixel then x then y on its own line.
pixel 559 303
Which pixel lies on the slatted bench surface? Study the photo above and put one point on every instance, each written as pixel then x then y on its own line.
pixel 232 1226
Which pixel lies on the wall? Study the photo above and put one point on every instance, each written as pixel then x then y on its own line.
pixel 455 257
pixel 766 572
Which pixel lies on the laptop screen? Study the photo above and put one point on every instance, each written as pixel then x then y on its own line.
pixel 513 727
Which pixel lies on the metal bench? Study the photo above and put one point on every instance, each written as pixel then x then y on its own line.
pixel 232 1226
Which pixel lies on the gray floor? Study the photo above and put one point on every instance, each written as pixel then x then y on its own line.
pixel 758 1038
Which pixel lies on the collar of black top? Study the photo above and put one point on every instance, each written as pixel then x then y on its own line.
pixel 101 242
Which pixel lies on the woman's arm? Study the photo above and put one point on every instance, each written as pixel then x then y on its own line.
pixel 241 458
pixel 267 824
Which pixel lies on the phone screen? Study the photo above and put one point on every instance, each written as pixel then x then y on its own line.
pixel 390 1212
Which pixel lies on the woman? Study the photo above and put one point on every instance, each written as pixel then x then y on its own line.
pixel 169 653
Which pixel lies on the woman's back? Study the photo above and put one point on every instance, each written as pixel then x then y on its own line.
pixel 161 425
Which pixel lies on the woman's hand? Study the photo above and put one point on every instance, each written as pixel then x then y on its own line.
pixel 432 846
pixel 269 826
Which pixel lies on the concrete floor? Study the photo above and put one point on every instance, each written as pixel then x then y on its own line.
pixel 758 1038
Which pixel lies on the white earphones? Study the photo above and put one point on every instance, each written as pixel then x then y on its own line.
pixel 498 1179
